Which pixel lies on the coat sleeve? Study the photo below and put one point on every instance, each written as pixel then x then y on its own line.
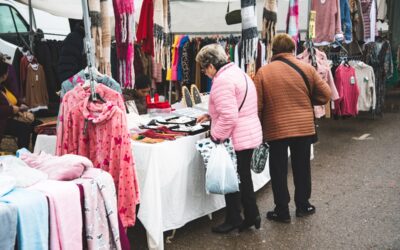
pixel 321 91
pixel 260 93
pixel 226 106
pixel 5 111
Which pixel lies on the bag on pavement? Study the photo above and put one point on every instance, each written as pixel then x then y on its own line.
pixel 259 158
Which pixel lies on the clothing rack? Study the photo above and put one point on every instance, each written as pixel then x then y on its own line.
pixel 88 49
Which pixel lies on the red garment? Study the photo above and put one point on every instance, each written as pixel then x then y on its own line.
pixel 99 131
pixel 23 70
pixel 346 84
pixel 146 26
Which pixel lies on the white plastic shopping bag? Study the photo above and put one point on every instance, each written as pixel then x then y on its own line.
pixel 221 175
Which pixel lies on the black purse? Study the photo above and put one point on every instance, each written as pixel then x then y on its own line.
pixel 233 17
pixel 314 138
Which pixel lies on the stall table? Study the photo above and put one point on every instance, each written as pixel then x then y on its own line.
pixel 172 184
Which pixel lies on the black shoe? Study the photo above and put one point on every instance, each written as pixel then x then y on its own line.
pixel 309 210
pixel 275 216
pixel 246 224
pixel 224 228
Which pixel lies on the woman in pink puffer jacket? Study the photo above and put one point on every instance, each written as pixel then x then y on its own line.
pixel 233 113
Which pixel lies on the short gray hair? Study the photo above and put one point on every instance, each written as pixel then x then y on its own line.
pixel 212 54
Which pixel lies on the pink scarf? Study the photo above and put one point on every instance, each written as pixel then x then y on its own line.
pixel 124 36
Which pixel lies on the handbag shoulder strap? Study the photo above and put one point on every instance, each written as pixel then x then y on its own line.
pixel 227 10
pixel 303 75
pixel 245 95
pixel 295 67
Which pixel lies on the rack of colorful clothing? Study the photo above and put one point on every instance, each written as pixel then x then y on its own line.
pixel 57 202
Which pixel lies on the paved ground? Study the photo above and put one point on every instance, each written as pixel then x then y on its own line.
pixel 356 189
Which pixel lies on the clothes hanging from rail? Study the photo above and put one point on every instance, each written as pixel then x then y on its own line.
pixel 366 84
pixel 85 126
pixel 327 23
pixel 346 84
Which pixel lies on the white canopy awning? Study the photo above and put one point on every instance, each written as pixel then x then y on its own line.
pixel 188 16
pixel 62 8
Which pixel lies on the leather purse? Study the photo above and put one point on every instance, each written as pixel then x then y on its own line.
pixel 233 17
pixel 25 117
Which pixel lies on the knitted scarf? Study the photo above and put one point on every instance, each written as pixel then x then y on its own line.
pixel 145 30
pixel 292 20
pixel 249 30
pixel 161 28
pixel 95 19
pixel 105 57
pixel 124 36
pixel 269 24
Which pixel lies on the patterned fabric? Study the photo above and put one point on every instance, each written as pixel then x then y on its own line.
pixel 292 20
pixel 100 206
pixel 259 158
pixel 205 146
pixel 124 36
pixel 185 64
pixel 85 127
pixel 249 30
pixel 376 55
pixel 269 24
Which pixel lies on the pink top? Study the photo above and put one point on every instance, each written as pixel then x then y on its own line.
pixel 227 94
pixel 99 131
pixel 346 84
pixel 328 23
pixel 324 70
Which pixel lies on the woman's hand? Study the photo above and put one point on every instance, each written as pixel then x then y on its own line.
pixel 23 107
pixel 203 118
pixel 15 109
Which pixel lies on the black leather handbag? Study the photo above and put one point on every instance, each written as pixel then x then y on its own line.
pixel 233 17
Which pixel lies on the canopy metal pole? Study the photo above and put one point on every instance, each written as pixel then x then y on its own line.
pixel 30 25
pixel 88 47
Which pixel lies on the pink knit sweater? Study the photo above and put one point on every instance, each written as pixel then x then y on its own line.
pixel 99 131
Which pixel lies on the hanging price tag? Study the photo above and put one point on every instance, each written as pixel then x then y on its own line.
pixel 37 78
pixel 311 25
pixel 352 80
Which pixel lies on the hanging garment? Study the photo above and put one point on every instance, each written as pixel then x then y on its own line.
pixel 96 31
pixel 65 213
pixel 249 30
pixel 346 20
pixel 382 10
pixel 145 29
pixel 124 36
pixel 394 20
pixel 8 229
pixel 366 83
pixel 366 7
pixel 292 20
pixel 270 19
pixel 182 43
pixel 357 20
pixel 327 24
pixel 79 79
pixel 379 56
pixel 99 131
pixel 346 84
pixel 36 87
pixel 160 28
pixel 175 57
pixel 33 218
pixel 100 210
pixel 185 61
pixel 324 70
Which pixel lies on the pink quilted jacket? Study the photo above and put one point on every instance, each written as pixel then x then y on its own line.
pixel 227 94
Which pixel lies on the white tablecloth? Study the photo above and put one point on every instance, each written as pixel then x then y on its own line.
pixel 171 178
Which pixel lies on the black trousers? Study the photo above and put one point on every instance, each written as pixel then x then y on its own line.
pixel 300 148
pixel 246 197
pixel 22 131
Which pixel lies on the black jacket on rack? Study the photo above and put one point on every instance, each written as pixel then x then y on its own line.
pixel 72 57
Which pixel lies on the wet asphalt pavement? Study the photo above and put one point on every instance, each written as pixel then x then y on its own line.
pixel 356 190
